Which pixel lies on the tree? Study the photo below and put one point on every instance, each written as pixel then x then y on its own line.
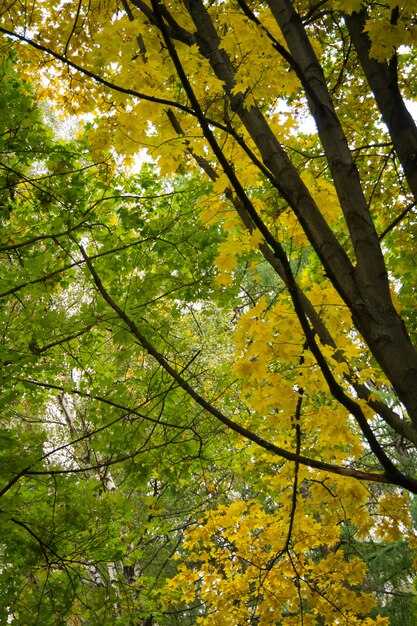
pixel 314 232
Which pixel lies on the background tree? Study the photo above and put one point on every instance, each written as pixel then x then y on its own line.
pixel 83 536
pixel 314 235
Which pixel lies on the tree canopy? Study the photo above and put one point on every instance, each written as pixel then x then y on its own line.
pixel 207 303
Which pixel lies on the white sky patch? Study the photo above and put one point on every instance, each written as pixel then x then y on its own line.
pixel 307 124
pixel 139 159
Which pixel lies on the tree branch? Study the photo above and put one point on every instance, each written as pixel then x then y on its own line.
pixel 394 478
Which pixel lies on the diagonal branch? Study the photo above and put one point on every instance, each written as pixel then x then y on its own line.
pixel 394 477
pixel 335 389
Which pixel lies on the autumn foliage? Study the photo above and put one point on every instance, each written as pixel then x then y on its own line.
pixel 208 313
